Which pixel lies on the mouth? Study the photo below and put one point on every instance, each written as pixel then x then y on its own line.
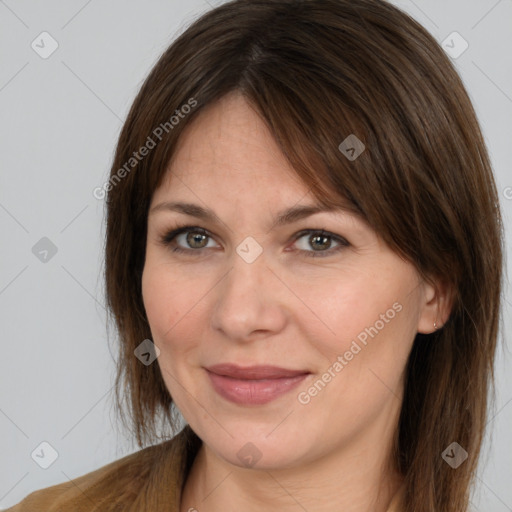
pixel 253 385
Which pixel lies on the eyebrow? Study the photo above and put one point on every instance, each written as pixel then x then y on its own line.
pixel 284 217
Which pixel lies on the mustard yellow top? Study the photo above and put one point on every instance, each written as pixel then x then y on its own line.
pixel 149 480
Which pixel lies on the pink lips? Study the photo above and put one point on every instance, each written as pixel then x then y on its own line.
pixel 253 385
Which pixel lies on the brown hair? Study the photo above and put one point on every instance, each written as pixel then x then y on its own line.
pixel 317 71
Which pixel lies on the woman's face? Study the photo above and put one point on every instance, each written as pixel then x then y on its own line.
pixel 339 310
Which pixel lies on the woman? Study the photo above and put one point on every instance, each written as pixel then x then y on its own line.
pixel 304 257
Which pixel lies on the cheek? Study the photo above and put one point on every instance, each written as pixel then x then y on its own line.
pixel 174 309
pixel 364 365
pixel 164 311
pixel 164 306
pixel 366 321
pixel 338 309
pixel 154 297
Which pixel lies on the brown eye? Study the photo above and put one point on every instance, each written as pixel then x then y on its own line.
pixel 195 239
pixel 321 241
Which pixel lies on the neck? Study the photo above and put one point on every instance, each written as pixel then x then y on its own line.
pixel 353 479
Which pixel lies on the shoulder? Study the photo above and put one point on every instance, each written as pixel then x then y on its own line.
pixel 86 491
pixel 114 486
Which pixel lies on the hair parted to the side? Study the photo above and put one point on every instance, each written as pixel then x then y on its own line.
pixel 317 71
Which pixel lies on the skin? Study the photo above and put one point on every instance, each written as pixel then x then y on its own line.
pixel 284 309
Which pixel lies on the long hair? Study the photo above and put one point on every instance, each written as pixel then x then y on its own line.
pixel 317 72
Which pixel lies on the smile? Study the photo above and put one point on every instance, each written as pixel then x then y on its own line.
pixel 256 385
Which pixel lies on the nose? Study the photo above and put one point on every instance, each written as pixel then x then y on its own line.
pixel 250 301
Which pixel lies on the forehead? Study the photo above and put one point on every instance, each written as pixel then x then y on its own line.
pixel 229 149
pixel 228 165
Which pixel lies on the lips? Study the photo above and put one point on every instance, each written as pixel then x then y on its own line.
pixel 254 372
pixel 253 385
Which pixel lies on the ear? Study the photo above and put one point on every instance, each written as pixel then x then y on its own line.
pixel 437 306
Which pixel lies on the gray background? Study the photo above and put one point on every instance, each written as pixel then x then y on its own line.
pixel 60 118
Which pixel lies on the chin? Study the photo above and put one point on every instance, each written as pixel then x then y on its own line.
pixel 258 446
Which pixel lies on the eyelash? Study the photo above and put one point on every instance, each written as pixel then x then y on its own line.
pixel 168 240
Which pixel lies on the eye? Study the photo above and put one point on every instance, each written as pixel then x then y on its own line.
pixel 197 239
pixel 194 235
pixel 319 239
